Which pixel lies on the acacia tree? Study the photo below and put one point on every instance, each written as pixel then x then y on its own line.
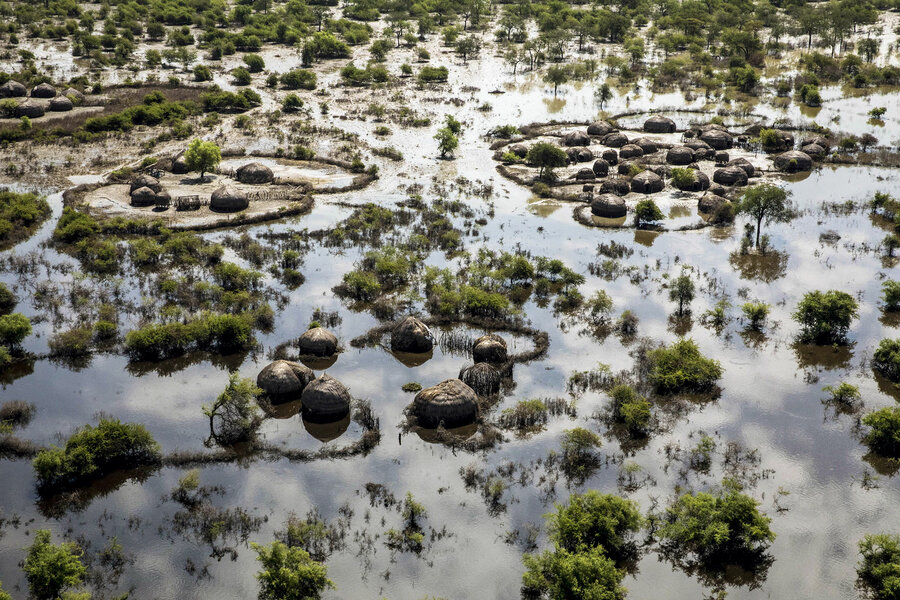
pixel 202 156
pixel 766 202
pixel 557 76
pixel 546 157
pixel 682 292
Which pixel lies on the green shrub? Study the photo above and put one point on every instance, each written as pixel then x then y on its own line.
pixel 630 409
pixel 891 295
pixel 564 575
pixel 289 573
pixel 20 214
pixel 755 313
pixel 683 178
pixel 74 226
pixel 646 212
pixel 682 368
pixel 361 285
pixel 72 343
pixel 221 333
pixel 886 359
pixel 292 102
pixel 593 520
pixel 299 79
pixel 879 570
pixel 430 74
pixel 52 568
pixel 254 62
pixel 202 73
pixel 825 317
pixel 235 415
pixel 93 452
pixel 719 527
pixel 546 157
pixel 884 435
pixel 14 328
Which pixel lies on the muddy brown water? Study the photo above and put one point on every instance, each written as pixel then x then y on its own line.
pixel 770 400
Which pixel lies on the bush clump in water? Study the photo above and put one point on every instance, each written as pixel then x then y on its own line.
pixel 682 368
pixel 883 436
pixel 879 570
pixel 825 317
pixel 289 573
pixel 92 452
pixel 52 568
pixel 630 409
pixel 886 360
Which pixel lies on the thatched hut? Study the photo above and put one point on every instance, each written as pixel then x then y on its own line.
pixel 74 95
pixel 600 168
pixel 730 176
pixel 680 156
pixel 317 341
pixel 519 150
pixel 610 156
pixel 744 164
pixel 146 181
pixel 60 104
pixel 411 335
pixel 630 151
pixel 718 139
pixel 609 206
pixel 482 377
pixel 255 173
pixel 451 403
pixel 702 150
pixel 489 348
pixel 647 182
pixel 228 199
pixel 143 196
pixel 284 380
pixel 12 89
pixel 43 90
pixel 600 128
pixel 325 399
pixel 576 138
pixel 793 161
pixel 647 145
pixel 659 124
pixel 30 110
pixel 615 185
pixel 615 139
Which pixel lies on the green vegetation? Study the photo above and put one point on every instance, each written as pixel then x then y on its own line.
pixel 716 527
pixel 93 452
pixel 682 291
pixel 433 74
pixel 52 568
pixel 289 573
pixel 883 436
pixel 682 368
pixel 755 313
pixel 219 333
pixel 825 317
pixel 447 141
pixel 299 79
pixel 886 359
pixel 546 157
pixel 589 535
pixel 20 216
pixel 646 212
pixel 235 416
pixel 630 409
pixel 766 202
pixel 878 571
pixel 202 156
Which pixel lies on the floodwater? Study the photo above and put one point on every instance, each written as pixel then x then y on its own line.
pixel 770 400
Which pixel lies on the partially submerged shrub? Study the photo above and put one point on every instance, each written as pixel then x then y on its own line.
pixel 235 415
pixel 682 368
pixel 630 409
pixel 825 317
pixel 92 452
pixel 883 436
pixel 887 359
pixel 879 569
pixel 52 568
pixel 645 212
pixel 289 573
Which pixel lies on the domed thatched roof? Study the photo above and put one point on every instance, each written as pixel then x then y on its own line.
pixel 146 181
pixel 817 140
pixel 730 176
pixel 718 139
pixel 614 140
pixel 680 156
pixel 74 95
pixel 600 168
pixel 608 206
pixel 325 399
pixel 600 128
pixel 12 89
pixel 647 182
pixel 615 185
pixel 450 402
pixel 702 150
pixel 519 150
pixel 710 203
pixel 61 104
pixel 143 196
pixel 584 174
pixel 624 167
pixel 317 341
pixel 576 138
pixel 814 151
pixel 179 164
pixel 489 348
pixel 659 124
pixel 630 151
pixel 647 145
pixel 411 335
pixel 610 156
pixel 30 110
pixel 793 161
pixel 43 90
pixel 745 164
pixel 483 378
pixel 254 173
pixel 228 199
pixel 699 183
pixel 284 380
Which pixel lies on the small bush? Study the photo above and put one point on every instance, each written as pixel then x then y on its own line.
pixel 884 435
pixel 879 570
pixel 645 212
pixel 92 452
pixel 430 74
pixel 14 328
pixel 825 317
pixel 682 368
pixel 630 409
pixel 289 573
pixel 52 568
